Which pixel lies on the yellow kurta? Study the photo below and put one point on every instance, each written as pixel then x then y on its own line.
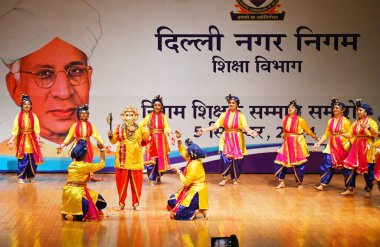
pixel 71 135
pixel 15 130
pixel 302 127
pixel 346 126
pixel 78 173
pixel 370 140
pixel 195 179
pixel 133 151
pixel 242 125
pixel 158 147
pixel 146 121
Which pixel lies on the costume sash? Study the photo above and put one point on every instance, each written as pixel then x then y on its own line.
pixel 158 146
pixel 377 168
pixel 231 147
pixel 291 153
pixel 79 134
pixel 29 134
pixel 122 150
pixel 184 192
pixel 357 158
pixel 92 213
pixel 337 152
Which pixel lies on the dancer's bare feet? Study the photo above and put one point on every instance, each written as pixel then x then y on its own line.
pixel 319 187
pixel 223 182
pixel 348 192
pixel 281 184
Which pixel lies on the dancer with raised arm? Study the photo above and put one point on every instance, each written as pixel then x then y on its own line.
pixel 293 152
pixel 78 200
pixel 192 199
pixel 83 130
pixel 232 146
pixel 129 161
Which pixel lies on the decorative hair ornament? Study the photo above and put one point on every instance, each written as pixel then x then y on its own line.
pixel 231 97
pixel 82 108
pixel 79 150
pixel 25 98
pixel 194 151
pixel 358 104
pixel 158 98
pixel 336 102
pixel 293 102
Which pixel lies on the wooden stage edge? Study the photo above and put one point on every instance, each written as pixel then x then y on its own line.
pixel 257 213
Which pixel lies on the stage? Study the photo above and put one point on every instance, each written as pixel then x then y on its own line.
pixel 254 210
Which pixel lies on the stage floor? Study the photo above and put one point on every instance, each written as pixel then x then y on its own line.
pixel 254 210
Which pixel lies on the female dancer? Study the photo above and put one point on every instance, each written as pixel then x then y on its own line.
pixel 293 152
pixel 377 165
pixel 192 199
pixel 336 151
pixel 79 201
pixel 232 144
pixel 157 151
pixel 83 129
pixel 361 158
pixel 26 131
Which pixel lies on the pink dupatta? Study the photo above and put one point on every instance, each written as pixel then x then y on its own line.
pixel 337 152
pixel 231 147
pixel 182 195
pixel 290 153
pixel 357 158
pixel 92 212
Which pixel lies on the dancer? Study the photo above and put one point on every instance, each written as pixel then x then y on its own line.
pixel 157 151
pixel 26 131
pixel 336 151
pixel 232 146
pixel 192 199
pixel 129 161
pixel 77 200
pixel 377 164
pixel 293 152
pixel 361 158
pixel 83 129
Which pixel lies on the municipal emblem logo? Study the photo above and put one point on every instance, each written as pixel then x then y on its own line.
pixel 257 10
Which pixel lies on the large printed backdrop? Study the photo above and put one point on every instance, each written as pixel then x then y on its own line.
pixel 134 61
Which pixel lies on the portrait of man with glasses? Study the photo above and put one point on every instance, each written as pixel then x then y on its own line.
pixel 46 49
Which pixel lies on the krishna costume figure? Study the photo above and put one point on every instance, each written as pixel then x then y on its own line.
pixel 293 152
pixel 361 158
pixel 232 146
pixel 83 130
pixel 157 151
pixel 192 199
pixel 26 132
pixel 77 200
pixel 336 151
pixel 129 161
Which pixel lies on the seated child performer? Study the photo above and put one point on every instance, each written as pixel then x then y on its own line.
pixel 77 200
pixel 192 198
pixel 129 161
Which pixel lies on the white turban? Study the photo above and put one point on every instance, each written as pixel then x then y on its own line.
pixel 31 24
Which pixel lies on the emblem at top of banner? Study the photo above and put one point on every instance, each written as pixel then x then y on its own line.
pixel 257 10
